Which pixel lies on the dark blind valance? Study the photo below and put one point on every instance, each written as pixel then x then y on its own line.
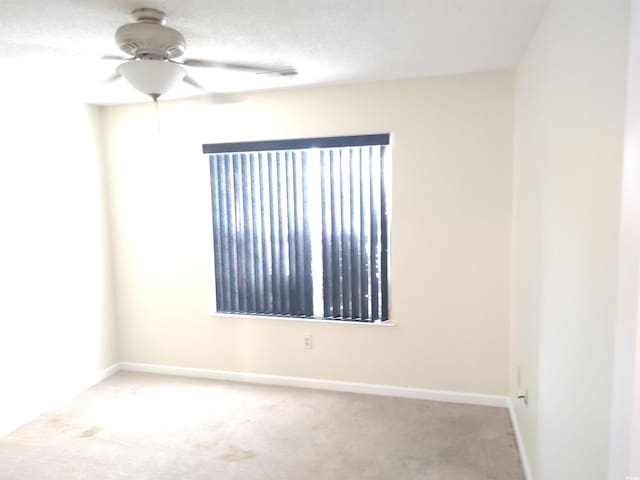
pixel 297 143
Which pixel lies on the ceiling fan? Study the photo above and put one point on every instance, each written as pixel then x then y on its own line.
pixel 154 48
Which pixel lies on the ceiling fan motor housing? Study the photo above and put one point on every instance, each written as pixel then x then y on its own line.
pixel 149 38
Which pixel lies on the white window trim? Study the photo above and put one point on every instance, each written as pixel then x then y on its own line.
pixel 214 314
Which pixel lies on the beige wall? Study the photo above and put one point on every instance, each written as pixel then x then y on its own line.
pixel 56 324
pixel 570 103
pixel 452 150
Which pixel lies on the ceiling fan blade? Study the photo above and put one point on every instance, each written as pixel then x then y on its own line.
pixel 190 81
pixel 194 62
pixel 213 97
pixel 113 77
pixel 115 57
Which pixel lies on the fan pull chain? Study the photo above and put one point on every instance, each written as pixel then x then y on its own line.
pixel 156 106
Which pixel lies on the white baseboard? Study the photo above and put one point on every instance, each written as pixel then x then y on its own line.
pixel 82 385
pixel 520 443
pixel 302 382
pixel 103 375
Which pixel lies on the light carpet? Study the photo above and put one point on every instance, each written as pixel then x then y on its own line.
pixel 143 426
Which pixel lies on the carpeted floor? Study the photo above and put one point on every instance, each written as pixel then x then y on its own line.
pixel 140 426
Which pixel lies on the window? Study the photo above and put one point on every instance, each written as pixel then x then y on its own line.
pixel 300 227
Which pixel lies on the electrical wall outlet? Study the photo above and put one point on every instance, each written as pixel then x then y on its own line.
pixel 308 342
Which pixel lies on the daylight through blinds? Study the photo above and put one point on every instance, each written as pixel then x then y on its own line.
pixel 302 232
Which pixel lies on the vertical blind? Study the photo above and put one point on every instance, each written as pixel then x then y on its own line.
pixel 354 233
pixel 301 232
pixel 262 245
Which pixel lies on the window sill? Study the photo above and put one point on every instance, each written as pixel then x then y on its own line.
pixel 387 323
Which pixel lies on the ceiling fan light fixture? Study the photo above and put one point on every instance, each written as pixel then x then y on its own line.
pixel 152 77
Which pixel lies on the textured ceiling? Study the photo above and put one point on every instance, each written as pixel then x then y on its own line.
pixel 57 43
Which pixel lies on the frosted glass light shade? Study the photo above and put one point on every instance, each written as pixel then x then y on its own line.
pixel 152 77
